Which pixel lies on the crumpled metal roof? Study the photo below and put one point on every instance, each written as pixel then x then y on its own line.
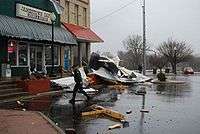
pixel 25 29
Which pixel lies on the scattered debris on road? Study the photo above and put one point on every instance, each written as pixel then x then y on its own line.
pixel 129 111
pixel 144 111
pixel 101 111
pixel 141 91
pixel 115 126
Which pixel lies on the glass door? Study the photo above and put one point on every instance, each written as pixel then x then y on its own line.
pixel 36 58
pixel 66 59
pixel 39 58
pixel 32 58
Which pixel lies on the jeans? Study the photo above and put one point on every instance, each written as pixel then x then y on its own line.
pixel 78 87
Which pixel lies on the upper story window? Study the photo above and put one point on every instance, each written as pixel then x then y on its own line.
pixel 66 10
pixel 85 17
pixel 76 16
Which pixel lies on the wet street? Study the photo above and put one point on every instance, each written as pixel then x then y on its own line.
pixel 173 109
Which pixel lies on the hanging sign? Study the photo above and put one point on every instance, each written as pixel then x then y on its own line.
pixel 33 13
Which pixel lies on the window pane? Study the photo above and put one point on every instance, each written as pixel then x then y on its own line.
pixel 66 11
pixel 56 55
pixel 23 60
pixel 76 15
pixel 85 17
pixel 12 53
pixel 48 55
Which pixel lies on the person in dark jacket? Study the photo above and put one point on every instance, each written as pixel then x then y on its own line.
pixel 78 86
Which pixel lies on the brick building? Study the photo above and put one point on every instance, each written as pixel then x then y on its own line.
pixel 76 19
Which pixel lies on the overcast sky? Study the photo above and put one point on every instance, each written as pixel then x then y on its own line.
pixel 179 19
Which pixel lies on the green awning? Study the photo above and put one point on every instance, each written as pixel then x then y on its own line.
pixel 25 29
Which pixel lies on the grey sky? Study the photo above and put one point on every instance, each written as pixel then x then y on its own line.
pixel 179 19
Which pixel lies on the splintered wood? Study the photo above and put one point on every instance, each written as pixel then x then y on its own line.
pixel 99 110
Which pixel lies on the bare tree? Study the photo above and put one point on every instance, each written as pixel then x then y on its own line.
pixel 175 52
pixel 133 44
pixel 157 61
pixel 127 60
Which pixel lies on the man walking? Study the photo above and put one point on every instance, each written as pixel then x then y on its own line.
pixel 78 86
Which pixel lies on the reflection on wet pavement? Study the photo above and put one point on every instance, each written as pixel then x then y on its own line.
pixel 173 109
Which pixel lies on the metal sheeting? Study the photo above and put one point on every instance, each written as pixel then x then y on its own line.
pixel 25 29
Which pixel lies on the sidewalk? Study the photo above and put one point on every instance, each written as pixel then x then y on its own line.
pixel 24 122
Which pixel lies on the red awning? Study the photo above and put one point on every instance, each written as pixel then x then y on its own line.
pixel 82 33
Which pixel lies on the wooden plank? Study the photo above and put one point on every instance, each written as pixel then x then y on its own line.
pixel 92 113
pixel 106 112
pixel 114 114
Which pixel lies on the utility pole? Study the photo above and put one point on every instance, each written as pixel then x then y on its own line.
pixel 144 39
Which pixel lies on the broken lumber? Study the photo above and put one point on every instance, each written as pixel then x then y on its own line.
pixel 99 110
pixel 92 113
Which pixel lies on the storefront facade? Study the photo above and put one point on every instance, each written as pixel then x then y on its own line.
pixel 26 37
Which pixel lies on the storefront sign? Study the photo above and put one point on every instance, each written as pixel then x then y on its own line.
pixel 33 13
pixel 11 49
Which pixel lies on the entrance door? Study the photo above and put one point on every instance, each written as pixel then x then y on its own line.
pixel 66 59
pixel 36 58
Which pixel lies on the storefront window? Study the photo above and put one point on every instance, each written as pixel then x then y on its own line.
pixel 66 58
pixel 22 52
pixel 48 58
pixel 12 53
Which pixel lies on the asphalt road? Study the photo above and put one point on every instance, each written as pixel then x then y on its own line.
pixel 173 109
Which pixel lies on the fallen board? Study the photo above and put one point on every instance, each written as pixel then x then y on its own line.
pixel 99 110
pixel 92 113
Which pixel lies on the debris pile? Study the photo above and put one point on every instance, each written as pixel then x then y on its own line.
pixel 109 71
pixel 103 70
pixel 99 111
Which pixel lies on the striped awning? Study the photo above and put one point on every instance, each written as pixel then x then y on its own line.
pixel 30 30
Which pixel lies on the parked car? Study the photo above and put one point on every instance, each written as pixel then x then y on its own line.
pixel 188 70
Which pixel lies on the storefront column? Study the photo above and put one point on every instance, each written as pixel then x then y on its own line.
pixel 80 54
pixel 61 56
pixel 3 49
pixel 43 59
pixel 17 54
pixel 71 56
pixel 29 64
pixel 88 52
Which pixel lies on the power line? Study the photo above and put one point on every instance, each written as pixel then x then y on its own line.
pixel 113 12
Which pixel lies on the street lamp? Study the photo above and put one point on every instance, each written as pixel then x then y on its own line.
pixel 175 49
pixel 53 19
